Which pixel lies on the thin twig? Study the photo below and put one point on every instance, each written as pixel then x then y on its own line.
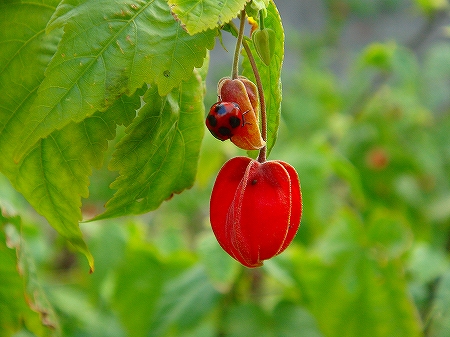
pixel 237 50
pixel 262 101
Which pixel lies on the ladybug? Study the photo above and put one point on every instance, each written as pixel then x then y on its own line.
pixel 223 119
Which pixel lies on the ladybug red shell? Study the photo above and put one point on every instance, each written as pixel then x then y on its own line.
pixel 224 119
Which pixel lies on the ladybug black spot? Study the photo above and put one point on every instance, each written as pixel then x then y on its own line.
pixel 224 131
pixel 234 121
pixel 212 120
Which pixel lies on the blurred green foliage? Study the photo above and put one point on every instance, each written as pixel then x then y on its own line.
pixel 372 149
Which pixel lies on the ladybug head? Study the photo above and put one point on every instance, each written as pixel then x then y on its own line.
pixel 225 108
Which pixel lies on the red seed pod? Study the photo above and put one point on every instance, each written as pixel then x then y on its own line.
pixel 255 209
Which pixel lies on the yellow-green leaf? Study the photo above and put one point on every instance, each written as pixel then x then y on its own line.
pixel 197 16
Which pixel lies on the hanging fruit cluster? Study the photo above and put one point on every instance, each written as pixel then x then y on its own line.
pixel 256 205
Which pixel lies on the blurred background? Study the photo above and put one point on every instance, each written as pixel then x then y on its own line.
pixel 365 122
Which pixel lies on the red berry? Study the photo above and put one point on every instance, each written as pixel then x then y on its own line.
pixel 255 209
pixel 377 159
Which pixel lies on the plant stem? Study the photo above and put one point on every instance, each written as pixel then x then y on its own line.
pixel 262 103
pixel 261 20
pixel 256 277
pixel 237 50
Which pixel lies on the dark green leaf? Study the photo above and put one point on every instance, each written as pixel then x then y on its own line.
pixel 158 156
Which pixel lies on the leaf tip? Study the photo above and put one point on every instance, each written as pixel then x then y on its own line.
pixel 91 263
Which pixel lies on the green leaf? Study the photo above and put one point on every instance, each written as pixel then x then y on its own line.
pixel 346 170
pixel 289 319
pixel 197 16
pixel 52 176
pixel 270 75
pixel 80 316
pixel 110 48
pixel 350 290
pixel 389 233
pixel 439 317
pixel 140 279
pixel 427 262
pixel 247 320
pixel 18 281
pixel 221 270
pixel 184 302
pixel 55 174
pixel 12 302
pixel 158 156
pixel 123 111
pixel 25 51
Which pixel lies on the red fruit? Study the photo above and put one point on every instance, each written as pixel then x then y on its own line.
pixel 255 209
pixel 377 159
